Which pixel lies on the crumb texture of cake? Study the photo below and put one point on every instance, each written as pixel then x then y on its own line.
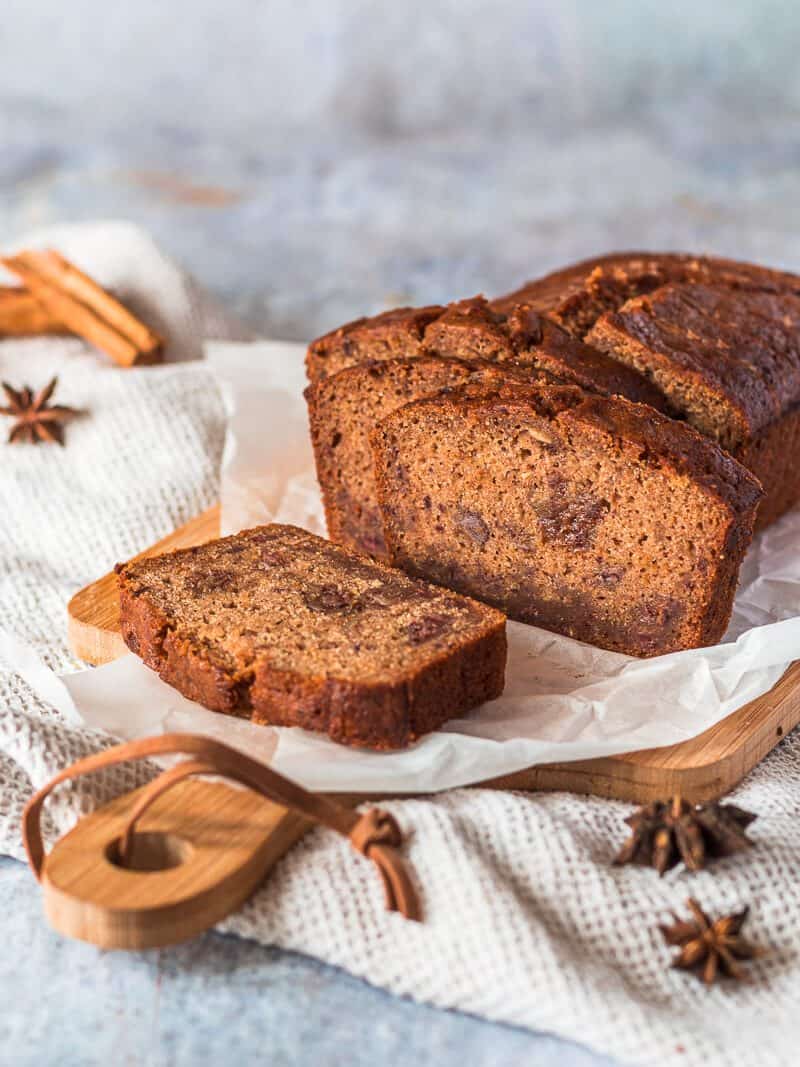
pixel 344 408
pixel 284 628
pixel 592 517
pixel 475 329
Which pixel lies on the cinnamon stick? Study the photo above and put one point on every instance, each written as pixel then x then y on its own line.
pixel 21 314
pixel 86 309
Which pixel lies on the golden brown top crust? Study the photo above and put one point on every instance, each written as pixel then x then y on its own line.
pixel 520 334
pixel 738 350
pixel 473 325
pixel 664 441
pixel 393 333
pixel 575 295
pixel 474 329
pixel 592 369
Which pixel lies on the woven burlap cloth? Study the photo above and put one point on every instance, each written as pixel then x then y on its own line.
pixel 526 921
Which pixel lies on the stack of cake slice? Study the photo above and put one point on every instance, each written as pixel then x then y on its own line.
pixel 698 356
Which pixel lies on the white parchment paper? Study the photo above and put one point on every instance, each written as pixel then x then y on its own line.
pixel 563 700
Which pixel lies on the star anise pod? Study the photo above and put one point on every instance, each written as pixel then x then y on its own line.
pixel 36 418
pixel 709 948
pixel 668 832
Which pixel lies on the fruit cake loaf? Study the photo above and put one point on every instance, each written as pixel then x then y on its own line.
pixel 284 628
pixel 473 329
pixel 590 516
pixel 342 410
pixel 637 308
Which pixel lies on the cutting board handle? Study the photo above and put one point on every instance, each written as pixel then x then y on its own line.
pixel 374 833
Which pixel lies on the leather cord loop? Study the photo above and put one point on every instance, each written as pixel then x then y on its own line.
pixel 375 827
pixel 375 833
pixel 152 792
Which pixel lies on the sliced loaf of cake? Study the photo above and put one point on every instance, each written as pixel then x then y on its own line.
pixel 590 516
pixel 282 627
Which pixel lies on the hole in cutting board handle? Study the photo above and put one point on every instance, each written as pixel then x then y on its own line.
pixel 151 852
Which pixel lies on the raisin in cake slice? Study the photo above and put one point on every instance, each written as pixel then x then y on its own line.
pixel 284 628
pixel 589 516
pixel 344 407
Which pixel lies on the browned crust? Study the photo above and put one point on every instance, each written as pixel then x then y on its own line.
pixel 594 370
pixel 726 578
pixel 382 715
pixel 474 329
pixel 588 293
pixel 148 633
pixel 729 361
pixel 684 448
pixel 566 293
pixel 393 333
pixel 696 388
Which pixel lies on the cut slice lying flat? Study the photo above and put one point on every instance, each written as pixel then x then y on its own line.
pixel 285 628
pixel 594 517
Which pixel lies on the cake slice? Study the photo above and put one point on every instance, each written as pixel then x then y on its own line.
pixel 474 329
pixel 342 410
pixel 594 517
pixel 284 628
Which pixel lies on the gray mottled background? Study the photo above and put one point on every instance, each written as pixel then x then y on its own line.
pixel 317 159
pixel 314 160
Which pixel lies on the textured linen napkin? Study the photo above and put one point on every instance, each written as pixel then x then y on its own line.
pixel 526 922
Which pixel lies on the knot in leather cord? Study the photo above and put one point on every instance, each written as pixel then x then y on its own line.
pixel 376 835
pixel 375 827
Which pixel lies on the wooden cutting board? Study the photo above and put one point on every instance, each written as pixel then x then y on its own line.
pixel 703 768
